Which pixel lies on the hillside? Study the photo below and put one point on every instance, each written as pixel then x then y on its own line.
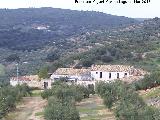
pixel 31 29
pixel 35 36
pixel 39 37
pixel 135 44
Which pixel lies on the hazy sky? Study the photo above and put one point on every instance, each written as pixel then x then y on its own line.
pixel 140 10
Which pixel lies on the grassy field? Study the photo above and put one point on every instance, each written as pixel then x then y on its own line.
pixel 93 109
pixel 31 108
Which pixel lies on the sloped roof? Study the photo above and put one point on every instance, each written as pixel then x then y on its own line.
pixel 71 71
pixel 111 68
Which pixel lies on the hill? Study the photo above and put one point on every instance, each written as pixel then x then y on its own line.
pixel 134 45
pixel 31 29
pixel 34 36
pixel 39 37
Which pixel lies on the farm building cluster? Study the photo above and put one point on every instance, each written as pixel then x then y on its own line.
pixel 83 76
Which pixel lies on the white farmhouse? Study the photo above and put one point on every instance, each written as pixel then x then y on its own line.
pixel 98 73
pixel 72 75
pixel 111 72
pixel 83 76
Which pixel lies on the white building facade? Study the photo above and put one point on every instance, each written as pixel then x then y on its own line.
pixel 31 81
pixel 72 75
pixel 110 72
pixel 86 77
pixel 102 75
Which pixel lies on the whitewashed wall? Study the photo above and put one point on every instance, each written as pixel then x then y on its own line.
pixel 105 75
pixel 13 82
pixel 39 84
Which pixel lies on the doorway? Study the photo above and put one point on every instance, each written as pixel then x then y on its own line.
pixel 45 85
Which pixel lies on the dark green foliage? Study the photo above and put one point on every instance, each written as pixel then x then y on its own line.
pixel 4 80
pixel 68 32
pixel 127 104
pixel 87 62
pixel 91 89
pixel 13 58
pixel 19 36
pixel 10 95
pixel 61 101
pixel 18 33
pixel 24 89
pixel 55 66
pixel 84 91
pixel 130 111
pixel 106 58
pixel 104 54
pixel 63 91
pixel 52 57
pixel 43 72
pixel 58 110
pixel 149 81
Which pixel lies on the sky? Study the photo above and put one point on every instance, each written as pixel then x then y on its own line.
pixel 131 9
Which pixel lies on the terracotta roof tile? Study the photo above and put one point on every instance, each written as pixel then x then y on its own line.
pixel 71 71
pixel 111 68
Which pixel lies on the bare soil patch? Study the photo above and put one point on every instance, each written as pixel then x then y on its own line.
pixel 27 109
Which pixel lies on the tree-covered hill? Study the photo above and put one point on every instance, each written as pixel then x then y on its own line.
pixel 56 16
pixel 32 28
pixel 37 37
pixel 135 44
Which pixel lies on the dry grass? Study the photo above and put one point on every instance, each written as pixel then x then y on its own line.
pixel 27 109
pixel 31 108
pixel 93 109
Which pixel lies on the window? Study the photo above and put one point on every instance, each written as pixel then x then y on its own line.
pixel 117 75
pixel 125 74
pixel 100 74
pixel 109 75
pixel 96 72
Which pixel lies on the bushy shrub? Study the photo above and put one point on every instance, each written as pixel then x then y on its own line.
pixel 62 90
pixel 61 101
pixel 149 81
pixel 58 110
pixel 10 95
pixel 127 104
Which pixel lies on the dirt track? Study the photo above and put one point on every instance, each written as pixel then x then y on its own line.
pixel 27 109
pixel 89 108
pixel 93 109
